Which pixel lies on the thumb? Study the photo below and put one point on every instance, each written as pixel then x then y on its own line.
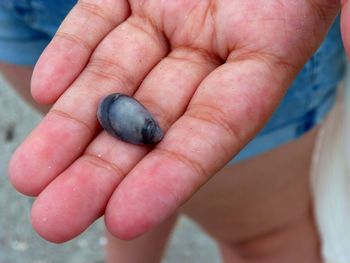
pixel 345 25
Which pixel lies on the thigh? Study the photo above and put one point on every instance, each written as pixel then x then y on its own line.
pixel 19 78
pixel 148 248
pixel 257 196
pixel 26 28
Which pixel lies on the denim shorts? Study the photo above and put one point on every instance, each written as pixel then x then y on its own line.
pixel 27 26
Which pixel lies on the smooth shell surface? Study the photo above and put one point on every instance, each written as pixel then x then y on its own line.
pixel 125 118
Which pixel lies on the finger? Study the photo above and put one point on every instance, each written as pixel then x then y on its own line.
pixel 68 128
pixel 107 160
pixel 345 25
pixel 229 107
pixel 67 54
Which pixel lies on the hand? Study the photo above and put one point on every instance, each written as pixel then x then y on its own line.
pixel 211 72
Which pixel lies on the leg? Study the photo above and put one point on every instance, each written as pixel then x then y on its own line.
pixel 295 242
pixel 259 210
pixel 19 78
pixel 148 248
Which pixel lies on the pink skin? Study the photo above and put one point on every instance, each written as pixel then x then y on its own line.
pixel 211 72
pixel 345 24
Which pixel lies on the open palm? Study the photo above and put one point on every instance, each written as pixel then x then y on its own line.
pixel 211 72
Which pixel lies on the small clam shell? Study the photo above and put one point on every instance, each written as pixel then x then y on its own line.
pixel 125 118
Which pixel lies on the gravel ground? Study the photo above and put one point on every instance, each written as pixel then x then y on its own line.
pixel 19 243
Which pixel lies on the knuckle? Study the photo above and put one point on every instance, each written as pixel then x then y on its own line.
pixel 68 116
pixel 150 30
pixel 164 117
pixel 215 117
pixel 75 39
pixel 191 163
pixel 100 162
pixel 108 69
pixel 96 10
pixel 227 134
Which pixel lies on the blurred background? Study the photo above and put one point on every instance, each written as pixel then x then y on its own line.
pixel 19 242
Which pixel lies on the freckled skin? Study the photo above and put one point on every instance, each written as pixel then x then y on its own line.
pixel 125 118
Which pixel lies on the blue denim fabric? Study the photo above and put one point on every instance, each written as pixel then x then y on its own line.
pixel 308 99
pixel 27 26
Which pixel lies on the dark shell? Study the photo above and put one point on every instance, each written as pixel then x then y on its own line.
pixel 125 118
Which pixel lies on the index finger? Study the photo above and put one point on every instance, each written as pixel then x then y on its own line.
pixel 65 57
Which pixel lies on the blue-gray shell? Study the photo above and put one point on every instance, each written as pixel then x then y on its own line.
pixel 127 119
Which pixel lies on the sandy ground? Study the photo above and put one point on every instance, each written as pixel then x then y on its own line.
pixel 19 243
